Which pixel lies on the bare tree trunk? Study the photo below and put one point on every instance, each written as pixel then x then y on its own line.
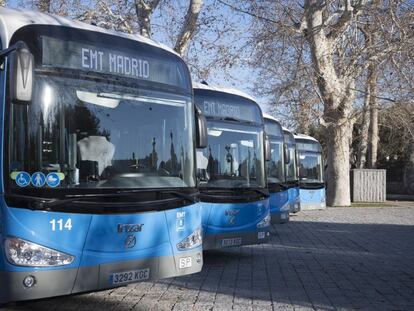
pixel 373 127
pixel 304 118
pixel 338 189
pixel 44 5
pixel 338 98
pixel 366 120
pixel 144 10
pixel 189 26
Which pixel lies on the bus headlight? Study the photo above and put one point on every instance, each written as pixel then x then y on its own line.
pixel 285 207
pixel 23 253
pixel 265 222
pixel 195 239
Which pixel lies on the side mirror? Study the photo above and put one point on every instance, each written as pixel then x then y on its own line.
pixel 286 154
pixel 21 74
pixel 201 129
pixel 268 151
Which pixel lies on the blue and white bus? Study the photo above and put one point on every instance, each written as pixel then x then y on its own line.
pixel 98 137
pixel 310 168
pixel 231 170
pixel 279 196
pixel 291 171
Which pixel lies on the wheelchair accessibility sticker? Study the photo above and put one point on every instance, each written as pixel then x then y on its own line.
pixel 38 179
pixel 22 179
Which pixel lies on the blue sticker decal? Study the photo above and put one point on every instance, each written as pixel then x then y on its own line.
pixel 52 180
pixel 38 179
pixel 23 179
pixel 180 222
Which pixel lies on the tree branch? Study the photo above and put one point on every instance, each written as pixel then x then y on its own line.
pixel 144 11
pixel 296 27
pixel 345 16
pixel 189 26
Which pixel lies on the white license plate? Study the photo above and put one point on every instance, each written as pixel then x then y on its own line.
pixel 185 262
pixel 231 242
pixel 261 235
pixel 129 276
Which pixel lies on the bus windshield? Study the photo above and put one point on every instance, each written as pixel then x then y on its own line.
pixel 234 157
pixel 275 166
pixel 105 113
pixel 291 169
pixel 95 134
pixel 310 167
pixel 275 172
pixel 310 161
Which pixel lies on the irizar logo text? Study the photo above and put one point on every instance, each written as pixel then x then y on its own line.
pixel 129 228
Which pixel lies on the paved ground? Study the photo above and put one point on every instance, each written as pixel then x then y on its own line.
pixel 355 258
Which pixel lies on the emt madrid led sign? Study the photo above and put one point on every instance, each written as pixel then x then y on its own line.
pixel 127 63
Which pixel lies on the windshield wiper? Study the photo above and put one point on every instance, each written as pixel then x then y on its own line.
pixel 35 202
pixel 178 194
pixel 181 195
pixel 265 192
pixel 39 203
pixel 226 190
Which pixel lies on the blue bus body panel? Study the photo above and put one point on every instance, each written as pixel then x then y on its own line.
pixel 100 249
pixel 95 239
pixel 233 220
pixel 35 226
pixel 312 199
pixel 279 206
pixel 161 232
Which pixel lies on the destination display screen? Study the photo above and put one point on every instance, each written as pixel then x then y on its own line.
pixel 59 53
pixel 273 128
pixel 311 146
pixel 222 105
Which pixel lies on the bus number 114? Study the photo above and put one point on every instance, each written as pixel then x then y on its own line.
pixel 58 224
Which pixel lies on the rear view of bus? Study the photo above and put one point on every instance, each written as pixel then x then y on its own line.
pixel 291 171
pixel 310 168
pixel 279 199
pixel 98 159
pixel 231 170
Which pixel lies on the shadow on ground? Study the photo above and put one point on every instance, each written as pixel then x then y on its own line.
pixel 313 265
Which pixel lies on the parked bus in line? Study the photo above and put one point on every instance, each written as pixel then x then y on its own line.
pixel 231 170
pixel 99 132
pixel 291 171
pixel 279 197
pixel 310 168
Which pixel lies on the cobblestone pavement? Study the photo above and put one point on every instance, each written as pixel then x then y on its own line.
pixel 355 258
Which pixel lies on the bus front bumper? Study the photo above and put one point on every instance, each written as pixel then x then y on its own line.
pixel 233 239
pixel 52 283
pixel 280 218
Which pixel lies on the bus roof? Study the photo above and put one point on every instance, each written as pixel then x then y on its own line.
pixel 223 90
pixel 12 20
pixel 305 137
pixel 268 116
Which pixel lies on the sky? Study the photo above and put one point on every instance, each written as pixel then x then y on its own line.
pixel 166 21
pixel 239 75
